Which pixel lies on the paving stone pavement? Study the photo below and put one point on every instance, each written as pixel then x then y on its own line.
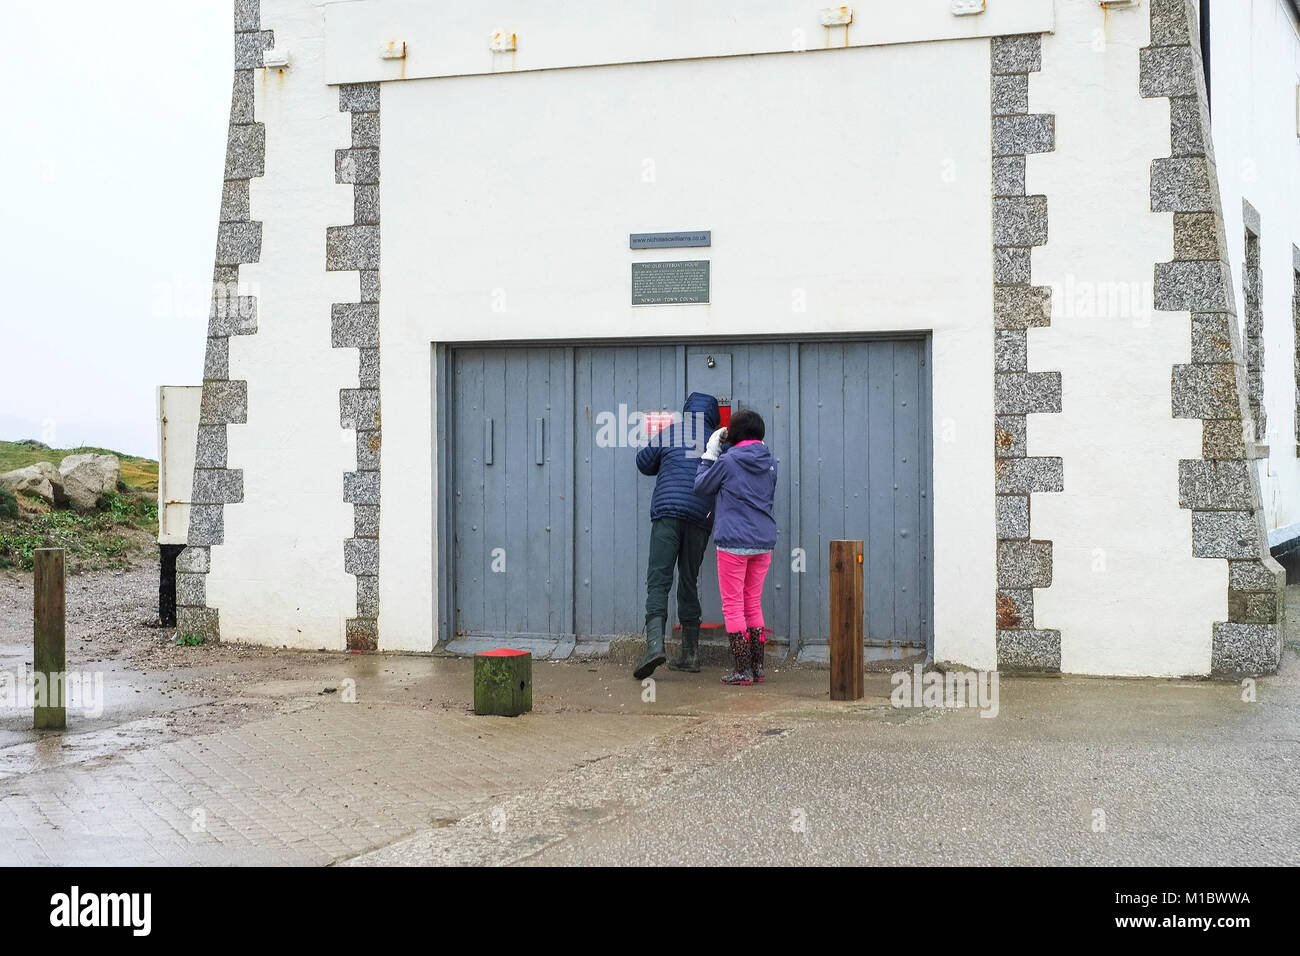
pixel 1183 772
pixel 322 783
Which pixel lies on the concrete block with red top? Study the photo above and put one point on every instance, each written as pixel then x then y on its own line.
pixel 503 682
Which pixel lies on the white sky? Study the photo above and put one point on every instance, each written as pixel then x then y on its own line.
pixel 114 143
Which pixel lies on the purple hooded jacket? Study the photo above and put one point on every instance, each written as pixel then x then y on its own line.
pixel 744 480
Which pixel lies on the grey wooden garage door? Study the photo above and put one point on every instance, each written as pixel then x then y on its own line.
pixel 512 548
pixel 550 517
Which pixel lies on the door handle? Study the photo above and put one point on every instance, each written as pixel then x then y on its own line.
pixel 541 441
pixel 487 442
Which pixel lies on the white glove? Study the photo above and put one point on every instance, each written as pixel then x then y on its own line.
pixel 714 448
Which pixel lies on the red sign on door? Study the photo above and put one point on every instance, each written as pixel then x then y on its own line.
pixel 655 422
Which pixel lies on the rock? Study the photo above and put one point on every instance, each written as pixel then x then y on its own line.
pixel 41 480
pixel 87 477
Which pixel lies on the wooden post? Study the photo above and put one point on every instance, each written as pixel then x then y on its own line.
pixel 49 657
pixel 847 679
pixel 503 682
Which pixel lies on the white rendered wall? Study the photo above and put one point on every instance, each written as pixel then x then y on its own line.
pixel 452 39
pixel 1127 595
pixel 859 176
pixel 1254 71
pixel 279 578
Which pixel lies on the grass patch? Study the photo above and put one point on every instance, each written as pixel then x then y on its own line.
pixel 109 538
pixel 123 526
pixel 138 474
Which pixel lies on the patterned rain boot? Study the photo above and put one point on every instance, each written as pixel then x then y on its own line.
pixel 757 643
pixel 690 656
pixel 654 648
pixel 742 676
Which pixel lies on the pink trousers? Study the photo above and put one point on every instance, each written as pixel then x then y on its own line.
pixel 740 582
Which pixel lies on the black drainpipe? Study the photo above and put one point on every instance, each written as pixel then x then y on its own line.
pixel 1205 47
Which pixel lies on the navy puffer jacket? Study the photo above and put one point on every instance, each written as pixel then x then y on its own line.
pixel 674 455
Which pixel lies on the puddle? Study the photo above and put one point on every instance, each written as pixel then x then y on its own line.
pixel 53 750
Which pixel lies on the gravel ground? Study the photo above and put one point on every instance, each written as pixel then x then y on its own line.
pixel 113 616
pixel 113 613
pixel 112 625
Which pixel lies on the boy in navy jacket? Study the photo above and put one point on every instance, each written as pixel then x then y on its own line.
pixel 680 521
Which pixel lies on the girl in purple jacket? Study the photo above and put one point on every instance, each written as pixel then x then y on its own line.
pixel 743 477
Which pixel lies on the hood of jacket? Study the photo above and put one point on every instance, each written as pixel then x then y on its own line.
pixel 698 403
pixel 673 455
pixel 755 458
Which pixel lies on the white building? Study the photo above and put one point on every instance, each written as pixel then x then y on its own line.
pixel 1018 312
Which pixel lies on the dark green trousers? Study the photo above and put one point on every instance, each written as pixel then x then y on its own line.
pixel 675 542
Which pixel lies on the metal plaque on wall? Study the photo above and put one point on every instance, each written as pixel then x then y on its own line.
pixel 668 240
pixel 670 283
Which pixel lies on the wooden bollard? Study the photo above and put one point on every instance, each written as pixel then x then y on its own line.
pixel 49 656
pixel 503 682
pixel 847 679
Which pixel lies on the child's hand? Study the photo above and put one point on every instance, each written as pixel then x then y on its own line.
pixel 714 448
